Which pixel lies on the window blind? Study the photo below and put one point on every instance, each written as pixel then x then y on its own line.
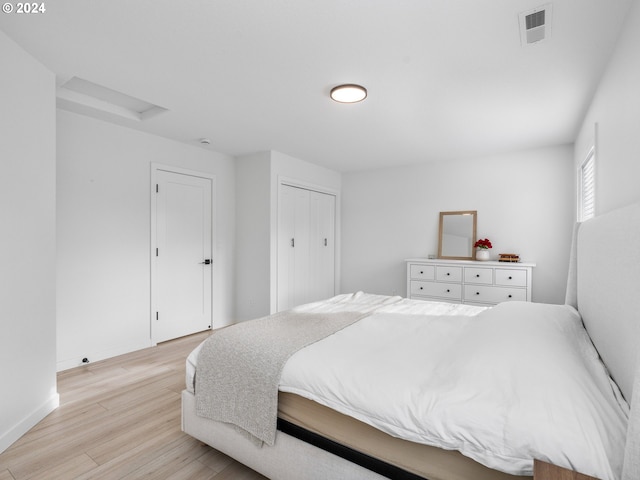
pixel 587 187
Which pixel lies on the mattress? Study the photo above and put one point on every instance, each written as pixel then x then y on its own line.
pixel 422 460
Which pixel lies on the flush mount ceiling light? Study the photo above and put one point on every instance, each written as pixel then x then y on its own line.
pixel 348 93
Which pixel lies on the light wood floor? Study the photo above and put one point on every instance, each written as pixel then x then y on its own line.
pixel 120 419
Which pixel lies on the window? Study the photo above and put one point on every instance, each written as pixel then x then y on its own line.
pixel 587 187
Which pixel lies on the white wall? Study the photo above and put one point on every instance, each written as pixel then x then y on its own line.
pixel 27 243
pixel 524 201
pixel 253 233
pixel 104 234
pixel 615 110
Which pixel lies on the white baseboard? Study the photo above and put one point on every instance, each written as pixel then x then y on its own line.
pixel 103 354
pixel 27 423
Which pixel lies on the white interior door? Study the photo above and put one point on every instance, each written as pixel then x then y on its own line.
pixel 181 256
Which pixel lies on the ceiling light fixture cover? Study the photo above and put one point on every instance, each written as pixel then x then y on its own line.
pixel 348 93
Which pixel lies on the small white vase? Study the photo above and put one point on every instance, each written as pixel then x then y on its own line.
pixel 483 254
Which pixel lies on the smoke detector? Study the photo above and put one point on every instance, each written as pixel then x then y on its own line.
pixel 535 25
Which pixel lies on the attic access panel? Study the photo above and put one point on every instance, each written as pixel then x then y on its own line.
pixel 82 96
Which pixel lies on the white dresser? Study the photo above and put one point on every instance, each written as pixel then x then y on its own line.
pixel 468 281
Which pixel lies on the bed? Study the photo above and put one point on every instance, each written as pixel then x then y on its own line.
pixel 398 388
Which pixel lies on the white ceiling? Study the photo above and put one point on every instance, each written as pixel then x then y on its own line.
pixel 447 79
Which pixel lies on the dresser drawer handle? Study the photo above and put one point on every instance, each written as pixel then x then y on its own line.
pixel 477 275
pixel 448 274
pixel 448 291
pixel 421 272
pixel 510 278
pixel 477 293
pixel 509 296
pixel 421 288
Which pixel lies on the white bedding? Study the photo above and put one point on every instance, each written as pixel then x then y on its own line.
pixel 353 302
pixel 516 382
pixel 502 385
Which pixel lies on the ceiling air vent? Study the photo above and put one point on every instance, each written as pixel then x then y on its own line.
pixel 535 25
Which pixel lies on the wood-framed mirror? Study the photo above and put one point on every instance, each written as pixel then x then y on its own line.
pixel 457 235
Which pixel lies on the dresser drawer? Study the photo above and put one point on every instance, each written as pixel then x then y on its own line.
pixel 449 274
pixel 478 275
pixel 508 277
pixel 423 272
pixel 486 294
pixel 435 289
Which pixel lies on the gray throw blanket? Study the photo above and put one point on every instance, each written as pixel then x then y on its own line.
pixel 239 366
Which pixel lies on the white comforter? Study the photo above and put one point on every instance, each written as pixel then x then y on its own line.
pixel 501 385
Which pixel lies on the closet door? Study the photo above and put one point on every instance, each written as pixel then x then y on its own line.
pixel 322 248
pixel 306 246
pixel 293 247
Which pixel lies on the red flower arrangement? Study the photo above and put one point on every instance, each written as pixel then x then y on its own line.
pixel 483 244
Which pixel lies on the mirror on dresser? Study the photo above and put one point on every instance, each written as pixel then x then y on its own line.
pixel 457 235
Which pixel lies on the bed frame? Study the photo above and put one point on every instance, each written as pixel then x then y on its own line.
pixel 603 284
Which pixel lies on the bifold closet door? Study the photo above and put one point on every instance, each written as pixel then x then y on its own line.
pixel 293 247
pixel 322 249
pixel 306 246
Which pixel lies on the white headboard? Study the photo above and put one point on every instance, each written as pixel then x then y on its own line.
pixel 608 289
pixel 604 284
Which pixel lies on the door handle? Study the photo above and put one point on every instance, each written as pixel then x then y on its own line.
pixel 207 261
